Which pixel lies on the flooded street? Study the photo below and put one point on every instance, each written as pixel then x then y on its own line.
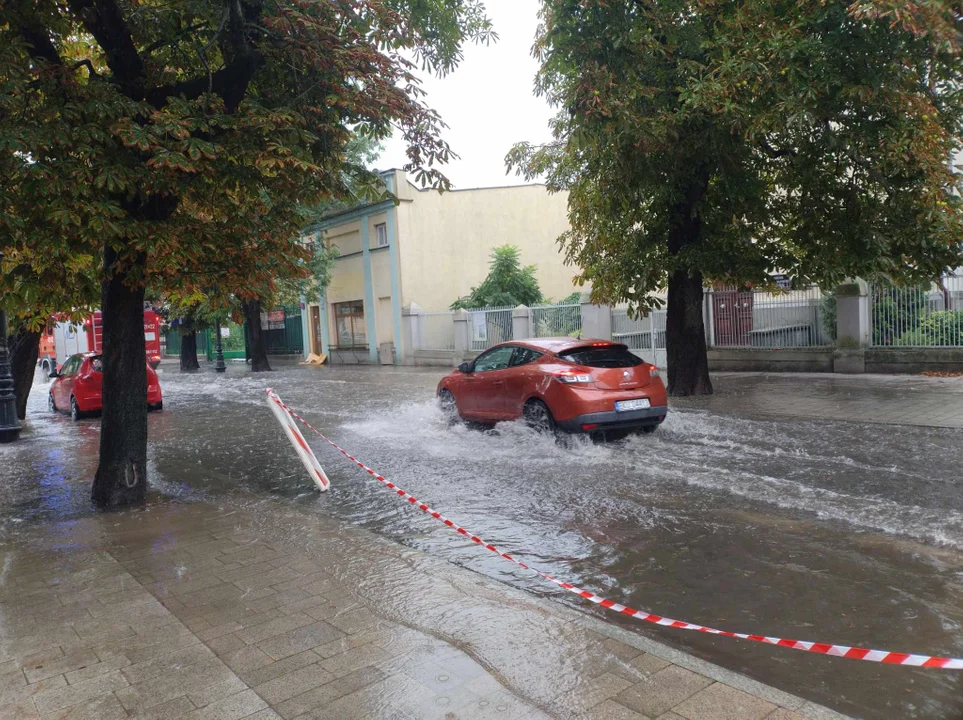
pixel 816 530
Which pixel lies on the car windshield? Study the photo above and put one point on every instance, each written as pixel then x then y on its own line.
pixel 606 356
pixel 97 364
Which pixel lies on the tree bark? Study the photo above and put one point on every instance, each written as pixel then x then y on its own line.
pixel 121 477
pixel 685 337
pixel 23 348
pixel 189 349
pixel 257 345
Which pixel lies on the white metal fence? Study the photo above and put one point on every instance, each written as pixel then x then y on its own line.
pixel 644 335
pixel 918 316
pixel 490 326
pixel 763 319
pixel 436 331
pixel 561 320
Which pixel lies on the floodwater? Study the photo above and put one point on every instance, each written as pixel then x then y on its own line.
pixel 823 531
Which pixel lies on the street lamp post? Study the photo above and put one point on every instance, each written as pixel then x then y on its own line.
pixel 9 424
pixel 218 348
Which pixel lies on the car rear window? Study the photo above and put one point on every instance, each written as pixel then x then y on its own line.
pixel 606 356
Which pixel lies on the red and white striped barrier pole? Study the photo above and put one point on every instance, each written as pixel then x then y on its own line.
pixel 842 651
pixel 301 446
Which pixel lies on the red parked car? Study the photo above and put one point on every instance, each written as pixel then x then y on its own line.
pixel 587 386
pixel 77 386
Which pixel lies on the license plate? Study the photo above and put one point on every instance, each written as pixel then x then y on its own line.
pixel 623 405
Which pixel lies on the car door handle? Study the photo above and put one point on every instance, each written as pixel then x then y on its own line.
pixel 498 382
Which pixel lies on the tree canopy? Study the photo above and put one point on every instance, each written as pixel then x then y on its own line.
pixel 507 283
pixel 175 142
pixel 706 141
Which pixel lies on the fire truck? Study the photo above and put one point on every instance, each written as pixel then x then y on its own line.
pixel 62 338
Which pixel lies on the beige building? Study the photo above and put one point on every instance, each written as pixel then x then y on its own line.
pixel 429 249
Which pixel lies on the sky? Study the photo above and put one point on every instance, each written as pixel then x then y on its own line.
pixel 488 101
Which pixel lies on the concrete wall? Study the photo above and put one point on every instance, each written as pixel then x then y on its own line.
pixel 775 360
pixel 446 240
pixel 913 360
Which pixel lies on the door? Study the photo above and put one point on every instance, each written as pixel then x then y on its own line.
pixel 519 381
pixel 486 385
pixel 316 326
pixel 64 385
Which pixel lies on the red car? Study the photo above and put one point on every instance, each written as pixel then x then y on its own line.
pixel 77 386
pixel 587 386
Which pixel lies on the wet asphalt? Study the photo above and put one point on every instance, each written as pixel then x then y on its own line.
pixel 819 530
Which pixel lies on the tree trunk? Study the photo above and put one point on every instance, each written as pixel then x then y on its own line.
pixel 256 346
pixel 685 337
pixel 121 477
pixel 23 348
pixel 189 350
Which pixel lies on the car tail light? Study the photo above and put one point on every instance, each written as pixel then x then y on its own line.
pixel 654 372
pixel 589 426
pixel 571 378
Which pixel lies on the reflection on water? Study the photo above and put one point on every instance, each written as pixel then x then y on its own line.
pixel 817 530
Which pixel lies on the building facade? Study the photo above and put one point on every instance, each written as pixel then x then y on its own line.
pixel 429 249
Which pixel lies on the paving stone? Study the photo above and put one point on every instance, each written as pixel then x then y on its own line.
pixel 621 650
pixel 611 710
pixel 593 691
pixel 237 706
pixel 299 640
pixel 226 644
pixel 167 663
pixel 722 702
pixel 64 697
pixel 662 691
pixel 102 707
pixel 183 681
pixel 22 710
pixel 294 683
pixel 354 659
pixel 648 664
pixel 165 711
pixel 246 660
pixel 22 691
pixel 354 621
pixel 325 694
pixel 271 670
pixel 273 627
pixel 784 714
pixel 217 692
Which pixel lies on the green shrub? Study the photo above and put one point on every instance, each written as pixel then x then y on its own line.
pixel 939 329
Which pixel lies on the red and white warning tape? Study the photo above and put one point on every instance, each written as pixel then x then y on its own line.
pixel 843 651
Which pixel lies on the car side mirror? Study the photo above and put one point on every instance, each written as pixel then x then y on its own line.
pixel 54 374
pixel 466 367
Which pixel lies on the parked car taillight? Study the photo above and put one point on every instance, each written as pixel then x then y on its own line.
pixel 654 372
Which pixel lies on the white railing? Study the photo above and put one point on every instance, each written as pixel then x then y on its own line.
pixel 918 316
pixel 764 319
pixel 561 320
pixel 436 331
pixel 489 326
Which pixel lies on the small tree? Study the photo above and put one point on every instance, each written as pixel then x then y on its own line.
pixel 507 283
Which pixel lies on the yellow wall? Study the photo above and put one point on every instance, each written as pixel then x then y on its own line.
pixel 446 240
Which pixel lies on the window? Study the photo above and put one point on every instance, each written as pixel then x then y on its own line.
pixel 382 231
pixel 495 359
pixel 97 364
pixel 71 366
pixel 524 356
pixel 349 318
pixel 604 356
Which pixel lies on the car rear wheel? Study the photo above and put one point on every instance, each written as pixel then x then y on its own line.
pixel 156 407
pixel 51 405
pixel 649 429
pixel 538 417
pixel 75 413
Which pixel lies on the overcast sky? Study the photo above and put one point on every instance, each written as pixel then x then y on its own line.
pixel 488 101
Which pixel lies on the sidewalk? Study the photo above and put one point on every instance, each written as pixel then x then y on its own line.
pixel 887 399
pixel 199 611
